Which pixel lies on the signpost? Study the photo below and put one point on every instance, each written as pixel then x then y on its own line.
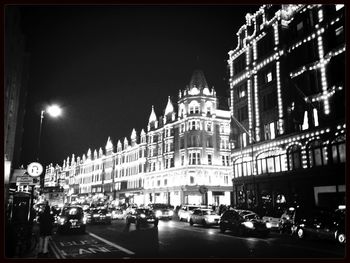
pixel 35 169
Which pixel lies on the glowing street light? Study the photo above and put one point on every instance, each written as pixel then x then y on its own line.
pixel 53 111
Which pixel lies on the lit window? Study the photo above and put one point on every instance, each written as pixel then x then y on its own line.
pixel 242 91
pixel 315 117
pixel 305 122
pixel 244 139
pixel 272 130
pixel 269 77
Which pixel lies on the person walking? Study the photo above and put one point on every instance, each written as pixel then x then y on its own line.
pixel 46 221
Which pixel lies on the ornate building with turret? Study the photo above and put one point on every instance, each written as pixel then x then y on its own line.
pixel 287 83
pixel 182 158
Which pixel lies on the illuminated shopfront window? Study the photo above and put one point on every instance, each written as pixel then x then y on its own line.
pixel 338 150
pixel 243 167
pixel 271 162
pixel 294 157
pixel 317 154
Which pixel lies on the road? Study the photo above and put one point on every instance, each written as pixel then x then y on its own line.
pixel 175 239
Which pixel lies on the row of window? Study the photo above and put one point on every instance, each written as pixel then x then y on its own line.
pixel 192 180
pixel 317 155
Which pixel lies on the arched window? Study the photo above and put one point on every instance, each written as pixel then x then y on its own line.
pixel 294 157
pixel 338 149
pixel 242 167
pixel 194 107
pixel 317 154
pixel 271 162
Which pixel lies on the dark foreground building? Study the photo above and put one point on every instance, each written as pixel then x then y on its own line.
pixel 288 106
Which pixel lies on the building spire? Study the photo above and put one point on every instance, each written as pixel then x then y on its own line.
pixel 169 107
pixel 153 116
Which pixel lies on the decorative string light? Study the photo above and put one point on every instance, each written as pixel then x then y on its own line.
pixel 279 98
pixel 256 103
pixel 277 142
pixel 250 118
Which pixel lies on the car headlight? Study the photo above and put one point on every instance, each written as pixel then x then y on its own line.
pixel 108 214
pixel 62 220
pixel 96 215
pixel 171 213
pixel 143 215
pixel 248 224
pixel 268 225
pixel 158 213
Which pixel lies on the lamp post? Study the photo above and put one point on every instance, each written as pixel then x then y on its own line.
pixel 53 111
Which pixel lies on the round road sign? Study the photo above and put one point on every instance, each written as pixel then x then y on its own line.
pixel 35 169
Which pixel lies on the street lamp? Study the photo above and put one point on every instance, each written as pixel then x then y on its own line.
pixel 53 111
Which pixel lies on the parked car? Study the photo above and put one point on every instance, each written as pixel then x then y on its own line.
pixel 185 211
pixel 243 222
pixel 162 210
pixel 100 215
pixel 118 213
pixel 141 216
pixel 322 224
pixel 71 219
pixel 204 217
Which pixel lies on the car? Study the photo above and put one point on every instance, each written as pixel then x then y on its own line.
pixel 100 215
pixel 204 217
pixel 141 216
pixel 243 222
pixel 273 217
pixel 322 224
pixel 71 219
pixel 162 211
pixel 185 211
pixel 117 213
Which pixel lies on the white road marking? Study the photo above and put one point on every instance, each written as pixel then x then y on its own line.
pixel 55 250
pixel 111 244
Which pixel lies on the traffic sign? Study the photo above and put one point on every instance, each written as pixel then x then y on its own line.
pixel 24 180
pixel 35 169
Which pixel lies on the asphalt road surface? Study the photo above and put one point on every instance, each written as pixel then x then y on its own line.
pixel 174 239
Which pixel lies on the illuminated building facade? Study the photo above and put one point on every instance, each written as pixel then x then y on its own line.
pixel 183 158
pixel 287 84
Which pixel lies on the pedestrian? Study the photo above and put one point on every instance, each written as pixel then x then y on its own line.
pixel 46 221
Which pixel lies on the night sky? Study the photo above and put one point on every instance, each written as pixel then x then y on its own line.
pixel 107 65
